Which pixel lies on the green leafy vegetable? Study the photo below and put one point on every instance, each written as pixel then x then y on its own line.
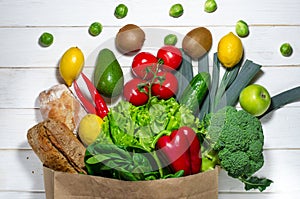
pixel 203 65
pixel 234 140
pixel 184 74
pixel 254 182
pixel 125 148
pixel 225 92
pixel 227 79
pixel 109 160
pixel 284 98
pixel 244 77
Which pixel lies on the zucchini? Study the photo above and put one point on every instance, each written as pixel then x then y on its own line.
pixel 194 94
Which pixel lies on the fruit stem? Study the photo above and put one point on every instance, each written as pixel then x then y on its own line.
pixel 152 81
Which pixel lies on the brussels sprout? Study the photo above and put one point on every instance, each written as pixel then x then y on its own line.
pixel 210 6
pixel 95 28
pixel 241 28
pixel 286 49
pixel 46 39
pixel 170 39
pixel 176 10
pixel 121 11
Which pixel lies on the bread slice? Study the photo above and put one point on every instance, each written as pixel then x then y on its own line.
pixel 57 147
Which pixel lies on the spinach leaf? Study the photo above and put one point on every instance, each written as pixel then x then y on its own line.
pixel 110 160
pixel 125 147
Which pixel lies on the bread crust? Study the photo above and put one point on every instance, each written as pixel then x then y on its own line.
pixel 57 147
pixel 59 103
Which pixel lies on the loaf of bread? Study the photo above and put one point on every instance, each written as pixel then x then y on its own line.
pixel 57 147
pixel 58 103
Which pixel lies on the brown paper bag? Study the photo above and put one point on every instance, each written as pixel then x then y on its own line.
pixel 60 185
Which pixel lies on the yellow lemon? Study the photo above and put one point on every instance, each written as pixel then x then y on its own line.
pixel 230 50
pixel 89 128
pixel 71 65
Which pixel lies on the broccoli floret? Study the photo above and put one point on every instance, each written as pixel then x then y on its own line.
pixel 236 138
pixel 234 163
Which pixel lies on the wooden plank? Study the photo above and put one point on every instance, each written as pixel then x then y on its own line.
pixel 283 122
pixel 247 195
pixel 21 170
pixel 26 69
pixel 281 128
pixel 21 87
pixel 261 46
pixel 14 124
pixel 82 13
pixel 23 195
pixel 280 165
pixel 228 195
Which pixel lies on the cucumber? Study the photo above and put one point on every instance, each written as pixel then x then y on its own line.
pixel 194 94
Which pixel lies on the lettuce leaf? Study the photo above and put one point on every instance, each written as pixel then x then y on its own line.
pixel 138 126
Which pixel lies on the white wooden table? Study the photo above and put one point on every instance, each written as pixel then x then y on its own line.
pixel 26 69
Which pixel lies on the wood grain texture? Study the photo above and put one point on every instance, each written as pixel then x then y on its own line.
pixel 27 167
pixel 262 45
pixel 26 69
pixel 148 13
pixel 20 87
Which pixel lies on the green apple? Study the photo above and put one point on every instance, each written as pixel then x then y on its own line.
pixel 255 99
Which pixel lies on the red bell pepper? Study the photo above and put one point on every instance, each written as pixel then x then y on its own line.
pixel 181 150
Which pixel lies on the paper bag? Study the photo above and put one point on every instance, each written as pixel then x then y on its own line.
pixel 60 185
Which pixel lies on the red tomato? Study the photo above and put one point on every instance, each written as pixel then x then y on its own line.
pixel 144 65
pixel 171 56
pixel 135 93
pixel 165 86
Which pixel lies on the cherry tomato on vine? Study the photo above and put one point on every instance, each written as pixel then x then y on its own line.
pixel 144 65
pixel 136 92
pixel 171 56
pixel 165 85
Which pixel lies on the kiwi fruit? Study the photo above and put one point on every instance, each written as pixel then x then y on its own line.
pixel 197 42
pixel 130 39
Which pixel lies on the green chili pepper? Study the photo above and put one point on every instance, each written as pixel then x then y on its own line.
pixel 210 6
pixel 95 28
pixel 170 39
pixel 121 11
pixel 286 49
pixel 176 10
pixel 241 28
pixel 46 39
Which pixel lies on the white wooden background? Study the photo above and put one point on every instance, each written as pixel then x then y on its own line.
pixel 26 69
